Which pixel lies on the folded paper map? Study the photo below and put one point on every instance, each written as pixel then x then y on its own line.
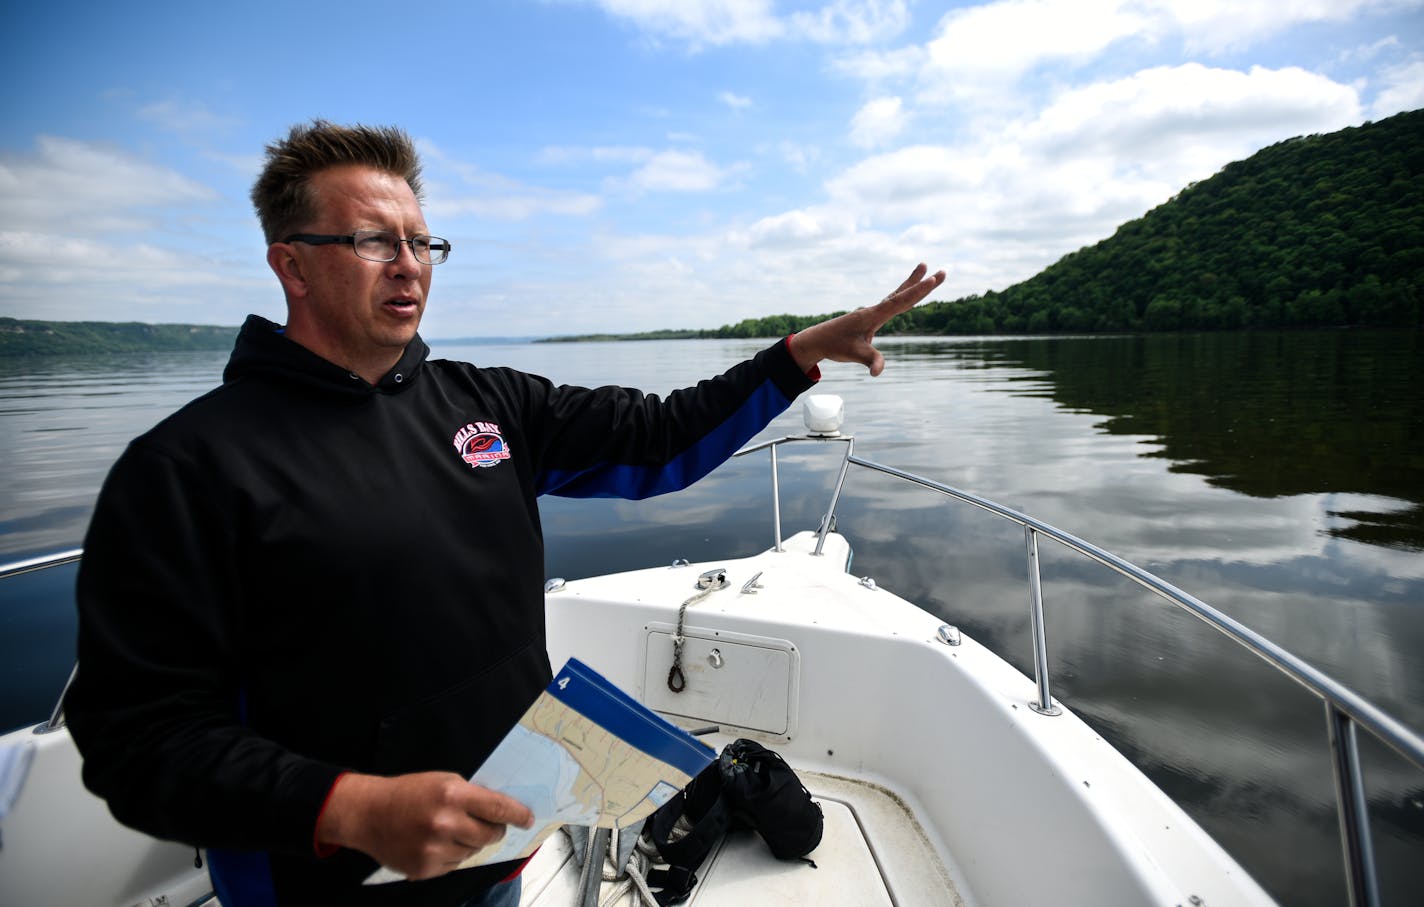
pixel 585 753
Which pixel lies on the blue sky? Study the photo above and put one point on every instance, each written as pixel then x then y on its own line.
pixel 627 165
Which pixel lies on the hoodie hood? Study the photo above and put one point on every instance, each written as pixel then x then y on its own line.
pixel 262 348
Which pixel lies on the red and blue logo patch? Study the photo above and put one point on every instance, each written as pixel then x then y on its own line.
pixel 481 445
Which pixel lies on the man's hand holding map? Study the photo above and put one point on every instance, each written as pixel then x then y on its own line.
pixel 585 753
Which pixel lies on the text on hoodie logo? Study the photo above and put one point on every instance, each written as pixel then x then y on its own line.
pixel 480 444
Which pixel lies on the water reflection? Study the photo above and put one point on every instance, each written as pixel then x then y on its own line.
pixel 65 420
pixel 1264 414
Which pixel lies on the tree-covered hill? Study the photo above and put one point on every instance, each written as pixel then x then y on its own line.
pixel 33 338
pixel 1322 230
pixel 1317 231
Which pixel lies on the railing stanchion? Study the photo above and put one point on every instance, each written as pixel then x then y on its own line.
pixel 830 516
pixel 1353 809
pixel 775 503
pixel 1044 705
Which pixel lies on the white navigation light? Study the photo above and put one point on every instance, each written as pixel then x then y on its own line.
pixel 824 414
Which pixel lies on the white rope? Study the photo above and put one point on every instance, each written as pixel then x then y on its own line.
pixel 633 876
pixel 638 874
pixel 676 681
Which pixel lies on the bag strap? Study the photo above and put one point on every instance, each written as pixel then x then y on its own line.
pixel 706 810
pixel 691 849
pixel 673 884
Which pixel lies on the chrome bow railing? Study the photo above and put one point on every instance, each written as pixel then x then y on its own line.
pixel 1345 710
pixel 44 562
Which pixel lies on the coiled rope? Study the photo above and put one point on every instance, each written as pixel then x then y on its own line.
pixel 708 583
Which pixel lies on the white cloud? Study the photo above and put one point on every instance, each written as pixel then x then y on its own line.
pixel 96 232
pixel 852 21
pixel 1156 130
pixel 719 22
pixel 669 170
pixel 520 203
pixel 998 42
pixel 455 188
pixel 119 277
pixel 187 118
pixel 601 154
pixel 1214 26
pixel 1371 50
pixel 734 101
pixel 799 156
pixel 1157 114
pixel 676 171
pixel 700 22
pixel 75 187
pixel 981 51
pixel 101 261
pixel 875 66
pixel 914 183
pixel 878 122
pixel 1402 89
pixel 806 228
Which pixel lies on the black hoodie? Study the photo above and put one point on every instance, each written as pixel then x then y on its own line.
pixel 300 574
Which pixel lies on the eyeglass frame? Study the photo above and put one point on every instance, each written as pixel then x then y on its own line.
pixel 349 239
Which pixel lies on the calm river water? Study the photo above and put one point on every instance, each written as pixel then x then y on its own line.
pixel 1278 477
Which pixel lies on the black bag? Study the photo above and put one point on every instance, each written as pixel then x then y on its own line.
pixel 764 794
pixel 748 786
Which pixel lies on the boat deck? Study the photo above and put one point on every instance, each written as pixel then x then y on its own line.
pixel 872 852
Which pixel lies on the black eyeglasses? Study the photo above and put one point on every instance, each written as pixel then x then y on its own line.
pixel 381 245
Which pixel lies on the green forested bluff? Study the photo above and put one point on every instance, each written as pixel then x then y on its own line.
pixel 1316 231
pixel 36 338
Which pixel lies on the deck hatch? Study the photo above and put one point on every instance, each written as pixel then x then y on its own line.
pixel 733 679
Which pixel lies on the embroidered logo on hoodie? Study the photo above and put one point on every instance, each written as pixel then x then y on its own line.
pixel 480 444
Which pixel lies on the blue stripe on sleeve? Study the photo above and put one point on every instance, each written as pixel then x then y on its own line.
pixel 615 480
pixel 242 878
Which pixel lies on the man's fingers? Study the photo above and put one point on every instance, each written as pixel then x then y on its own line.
pixel 919 286
pixel 915 288
pixel 914 278
pixel 910 294
pixel 876 363
pixel 479 834
pixel 491 806
pixel 483 815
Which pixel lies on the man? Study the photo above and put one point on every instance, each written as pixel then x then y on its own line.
pixel 300 632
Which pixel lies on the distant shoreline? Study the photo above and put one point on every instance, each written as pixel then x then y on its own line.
pixel 32 337
pixel 23 337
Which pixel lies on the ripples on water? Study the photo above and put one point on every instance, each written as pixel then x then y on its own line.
pixel 1276 477
pixel 66 420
